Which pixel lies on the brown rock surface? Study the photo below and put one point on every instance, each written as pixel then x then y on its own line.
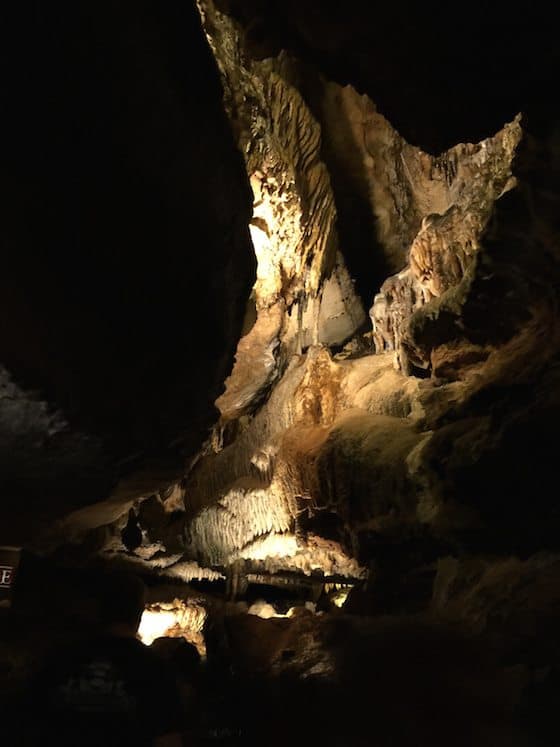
pixel 412 459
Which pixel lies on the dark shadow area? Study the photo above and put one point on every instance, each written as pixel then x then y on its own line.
pixel 126 248
pixel 417 64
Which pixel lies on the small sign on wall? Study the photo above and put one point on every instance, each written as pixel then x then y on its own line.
pixel 9 562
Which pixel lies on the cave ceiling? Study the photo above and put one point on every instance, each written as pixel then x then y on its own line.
pixel 283 294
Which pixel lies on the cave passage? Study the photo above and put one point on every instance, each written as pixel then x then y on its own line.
pixel 280 345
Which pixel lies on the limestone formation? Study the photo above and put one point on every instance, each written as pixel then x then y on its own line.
pixel 249 442
pixel 454 194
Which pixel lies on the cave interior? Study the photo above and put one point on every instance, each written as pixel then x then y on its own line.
pixel 280 332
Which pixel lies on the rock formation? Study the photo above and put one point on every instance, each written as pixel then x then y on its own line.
pixel 399 462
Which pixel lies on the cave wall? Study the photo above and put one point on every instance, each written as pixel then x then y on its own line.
pixel 127 260
pixel 303 294
pixel 374 159
pixel 303 449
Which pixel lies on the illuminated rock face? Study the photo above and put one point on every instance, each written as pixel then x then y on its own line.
pixel 455 194
pixel 332 433
pixel 327 460
pixel 301 434
pixel 406 456
pixel 302 280
pixel 174 619
pixel 293 225
pixel 327 443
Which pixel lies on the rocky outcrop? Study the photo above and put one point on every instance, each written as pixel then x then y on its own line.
pixel 332 462
pixel 454 194
pixel 407 463
pixel 288 462
pixel 282 494
pixel 324 455
pixel 302 280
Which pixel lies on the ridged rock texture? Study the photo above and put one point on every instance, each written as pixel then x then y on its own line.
pixel 366 436
pixel 303 439
pixel 407 454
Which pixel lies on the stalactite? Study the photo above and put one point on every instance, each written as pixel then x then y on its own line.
pixel 447 242
pixel 219 532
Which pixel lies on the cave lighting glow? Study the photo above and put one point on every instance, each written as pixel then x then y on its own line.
pixel 341 597
pixel 271 546
pixel 155 624
pixel 338 593
pixel 265 610
pixel 276 233
pixel 267 273
pixel 175 619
